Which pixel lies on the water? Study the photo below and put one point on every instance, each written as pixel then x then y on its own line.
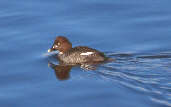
pixel 135 33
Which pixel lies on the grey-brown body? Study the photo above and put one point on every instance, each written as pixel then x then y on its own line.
pixel 74 56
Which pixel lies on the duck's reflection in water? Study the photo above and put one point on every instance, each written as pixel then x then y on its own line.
pixel 62 72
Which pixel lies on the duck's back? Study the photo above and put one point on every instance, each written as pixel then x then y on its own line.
pixel 81 54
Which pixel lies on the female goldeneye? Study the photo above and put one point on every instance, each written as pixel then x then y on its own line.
pixel 76 55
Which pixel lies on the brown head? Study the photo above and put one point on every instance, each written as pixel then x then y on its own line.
pixel 61 44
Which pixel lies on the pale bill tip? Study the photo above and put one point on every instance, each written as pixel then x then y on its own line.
pixel 49 50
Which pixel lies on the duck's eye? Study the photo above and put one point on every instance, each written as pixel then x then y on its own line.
pixel 55 46
pixel 58 44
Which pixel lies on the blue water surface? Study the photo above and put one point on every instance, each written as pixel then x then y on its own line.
pixel 136 34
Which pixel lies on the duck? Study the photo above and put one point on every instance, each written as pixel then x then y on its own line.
pixel 75 55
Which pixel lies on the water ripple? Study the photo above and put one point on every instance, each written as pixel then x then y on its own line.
pixel 146 74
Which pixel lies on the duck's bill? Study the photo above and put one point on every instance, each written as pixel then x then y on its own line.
pixel 49 50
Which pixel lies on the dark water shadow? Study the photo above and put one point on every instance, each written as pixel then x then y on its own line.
pixel 62 72
pixel 155 56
